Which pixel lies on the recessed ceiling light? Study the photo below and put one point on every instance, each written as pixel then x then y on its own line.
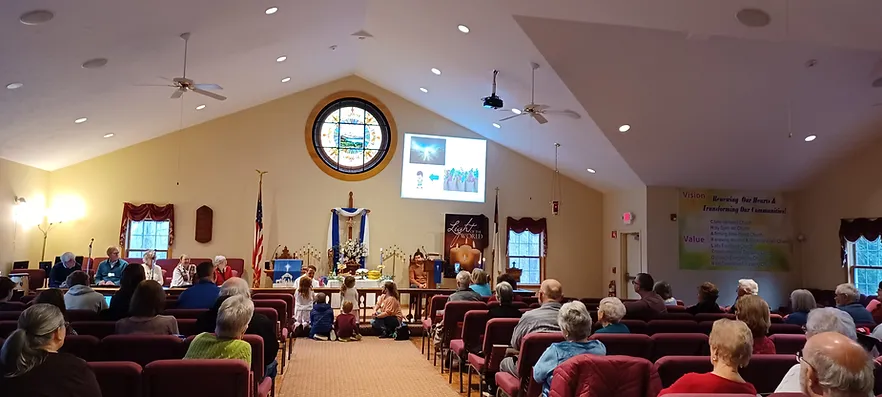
pixel 80 120
pixel 753 17
pixel 200 107
pixel 436 71
pixel 497 125
pixel 36 17
pixel 286 79
pixel 463 28
pixel 624 128
pixel 95 63
pixel 271 10
pixel 811 138
pixel 281 58
pixel 516 110
pixel 591 170
pixel 13 86
pixel 423 89
pixel 110 135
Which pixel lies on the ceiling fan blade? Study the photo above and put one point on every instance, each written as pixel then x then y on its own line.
pixel 209 94
pixel 539 117
pixel 208 87
pixel 512 116
pixel 154 85
pixel 568 113
pixel 177 94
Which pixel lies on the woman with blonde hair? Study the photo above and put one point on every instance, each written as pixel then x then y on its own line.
pixel 731 344
pixel 183 274
pixel 303 301
pixel 152 271
pixel 801 303
pixel 754 311
pixel 480 282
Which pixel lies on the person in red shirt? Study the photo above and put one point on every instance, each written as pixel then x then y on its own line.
pixel 222 271
pixel 346 324
pixel 731 343
pixel 754 311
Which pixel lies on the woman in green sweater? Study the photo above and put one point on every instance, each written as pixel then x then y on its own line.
pixel 233 317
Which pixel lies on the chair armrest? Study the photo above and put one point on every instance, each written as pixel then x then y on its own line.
pixel 495 356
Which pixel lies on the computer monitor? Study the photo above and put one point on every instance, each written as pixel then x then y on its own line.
pixel 46 266
pixel 19 265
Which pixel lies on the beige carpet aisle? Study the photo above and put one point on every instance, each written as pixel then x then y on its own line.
pixel 372 367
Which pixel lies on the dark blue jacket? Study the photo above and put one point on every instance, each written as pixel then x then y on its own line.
pixel 200 296
pixel 58 274
pixel 798 318
pixel 321 319
pixel 858 313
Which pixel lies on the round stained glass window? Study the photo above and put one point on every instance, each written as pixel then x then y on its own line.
pixel 351 136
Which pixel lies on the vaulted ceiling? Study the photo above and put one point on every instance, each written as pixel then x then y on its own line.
pixel 711 102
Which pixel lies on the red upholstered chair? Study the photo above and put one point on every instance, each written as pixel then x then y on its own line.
pixel 534 305
pixel 672 326
pixel 779 395
pixel 633 345
pixel 765 371
pixel 82 346
pixel 27 299
pixel 671 315
pixel 680 303
pixel 287 322
pixel 118 378
pixel 690 344
pixel 184 313
pixel 263 385
pixel 7 326
pixel 81 315
pixel 13 306
pixel 177 378
pixel 676 308
pixel 187 326
pixel 436 303
pixel 238 265
pixel 98 329
pixel 532 347
pixel 9 316
pixel 671 368
pixel 171 303
pixel 282 331
pixel 713 316
pixel 587 375
pixel 454 313
pixel 529 300
pixel 777 319
pixel 636 326
pixel 469 340
pixel 705 327
pixel 788 343
pixel 36 277
pixel 785 329
pixel 142 349
pixel 877 374
pixel 273 315
pixel 519 305
pixel 497 332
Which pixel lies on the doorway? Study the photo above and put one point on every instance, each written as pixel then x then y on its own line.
pixel 632 263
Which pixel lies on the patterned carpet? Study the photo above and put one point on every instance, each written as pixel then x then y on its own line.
pixel 372 367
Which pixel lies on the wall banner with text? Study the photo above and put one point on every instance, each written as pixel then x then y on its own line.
pixel 733 230
pixel 468 232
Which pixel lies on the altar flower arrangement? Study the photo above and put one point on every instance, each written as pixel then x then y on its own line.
pixel 350 251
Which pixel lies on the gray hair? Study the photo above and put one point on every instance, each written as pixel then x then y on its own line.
pixel 233 316
pixel 219 259
pixel 849 291
pixel 612 308
pixel 23 349
pixel 463 279
pixel 235 286
pixel 801 300
pixel 839 380
pixel 504 292
pixel 150 253
pixel 574 320
pixel 830 319
pixel 66 257
pixel 749 285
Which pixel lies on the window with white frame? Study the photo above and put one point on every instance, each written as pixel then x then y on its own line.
pixel 525 252
pixel 146 235
pixel 864 258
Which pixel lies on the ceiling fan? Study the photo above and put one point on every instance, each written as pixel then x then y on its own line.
pixel 539 111
pixel 183 84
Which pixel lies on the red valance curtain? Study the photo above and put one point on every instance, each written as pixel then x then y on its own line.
pixel 853 229
pixel 535 226
pixel 132 212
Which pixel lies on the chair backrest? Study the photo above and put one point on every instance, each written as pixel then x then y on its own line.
pixel 788 343
pixel 257 367
pixel 13 306
pixel 82 346
pixel 272 315
pixel 435 304
pixel 288 298
pixel 765 371
pixel 705 327
pixel 775 318
pixel 674 315
pixel 9 316
pixel 118 378
pixel 454 313
pixel 171 303
pixel 636 326
pixel 142 349
pixel 498 331
pixel 689 344
pixel 280 306
pixel 187 326
pixel 632 345
pixel 473 325
pixel 600 376
pixel 672 326
pixel 82 315
pixel 532 347
pixel 785 329
pixel 713 316
pixel 98 329
pixel 178 378
pixel 518 305
pixel 671 368
pixel 529 300
pixel 184 313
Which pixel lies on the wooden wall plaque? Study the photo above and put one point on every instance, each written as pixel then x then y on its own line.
pixel 204 216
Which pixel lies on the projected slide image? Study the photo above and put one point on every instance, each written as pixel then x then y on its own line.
pixel 428 151
pixel 461 180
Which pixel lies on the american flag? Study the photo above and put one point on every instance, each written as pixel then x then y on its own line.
pixel 257 253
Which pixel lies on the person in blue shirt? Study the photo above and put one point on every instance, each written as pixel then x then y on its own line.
pixel 609 312
pixel 847 300
pixel 204 293
pixel 575 323
pixel 480 282
pixel 110 270
pixel 321 318
pixel 801 302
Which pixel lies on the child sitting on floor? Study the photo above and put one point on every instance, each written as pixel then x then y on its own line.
pixel 303 300
pixel 321 318
pixel 346 324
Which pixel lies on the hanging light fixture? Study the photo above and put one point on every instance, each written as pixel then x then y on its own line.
pixel 555 184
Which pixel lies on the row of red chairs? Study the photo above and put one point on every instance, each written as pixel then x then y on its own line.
pixel 174 378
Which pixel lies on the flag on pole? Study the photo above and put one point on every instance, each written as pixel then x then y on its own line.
pixel 257 253
pixel 496 244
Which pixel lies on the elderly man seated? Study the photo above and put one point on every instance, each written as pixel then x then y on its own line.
pixel 822 320
pixel 847 300
pixel 541 319
pixel 609 313
pixel 835 366
pixel 463 290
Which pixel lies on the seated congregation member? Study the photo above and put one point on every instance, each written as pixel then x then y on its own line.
pixel 55 297
pixel 222 271
pixel 480 282
pixel 147 302
pixel 321 318
pixel 875 306
pixel 387 313
pixel 754 312
pixel 821 320
pixel 575 323
pixel 7 288
pixel 119 303
pixel 80 296
pixel 233 317
pixel 32 365
pixel 416 272
pixel 110 270
pixel 707 300
pixel 731 344
pixel 508 278
pixel 663 289
pixel 463 292
pixel 801 303
pixel 504 309
pixel 259 325
pixel 650 304
pixel 833 366
pixel 202 294
pixel 346 324
pixel 303 301
pixel 746 287
pixel 62 269
pixel 847 300
pixel 152 271
pixel 610 311
pixel 541 319
pixel 183 274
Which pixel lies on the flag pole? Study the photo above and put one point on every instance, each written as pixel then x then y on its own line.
pixel 257 252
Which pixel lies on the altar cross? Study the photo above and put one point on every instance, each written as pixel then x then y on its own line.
pixel 349 220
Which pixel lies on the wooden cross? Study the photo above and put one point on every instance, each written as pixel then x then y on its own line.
pixel 349 219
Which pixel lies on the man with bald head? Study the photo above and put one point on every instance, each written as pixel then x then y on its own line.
pixel 834 365
pixel 541 319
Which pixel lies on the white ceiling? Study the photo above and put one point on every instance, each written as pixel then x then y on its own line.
pixel 707 97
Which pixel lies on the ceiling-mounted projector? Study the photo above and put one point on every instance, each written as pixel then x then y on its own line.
pixel 493 101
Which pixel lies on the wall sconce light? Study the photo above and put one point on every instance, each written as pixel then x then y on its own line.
pixel 20 200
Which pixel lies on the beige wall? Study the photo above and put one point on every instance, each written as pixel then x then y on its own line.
pixel 20 241
pixel 614 205
pixel 216 168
